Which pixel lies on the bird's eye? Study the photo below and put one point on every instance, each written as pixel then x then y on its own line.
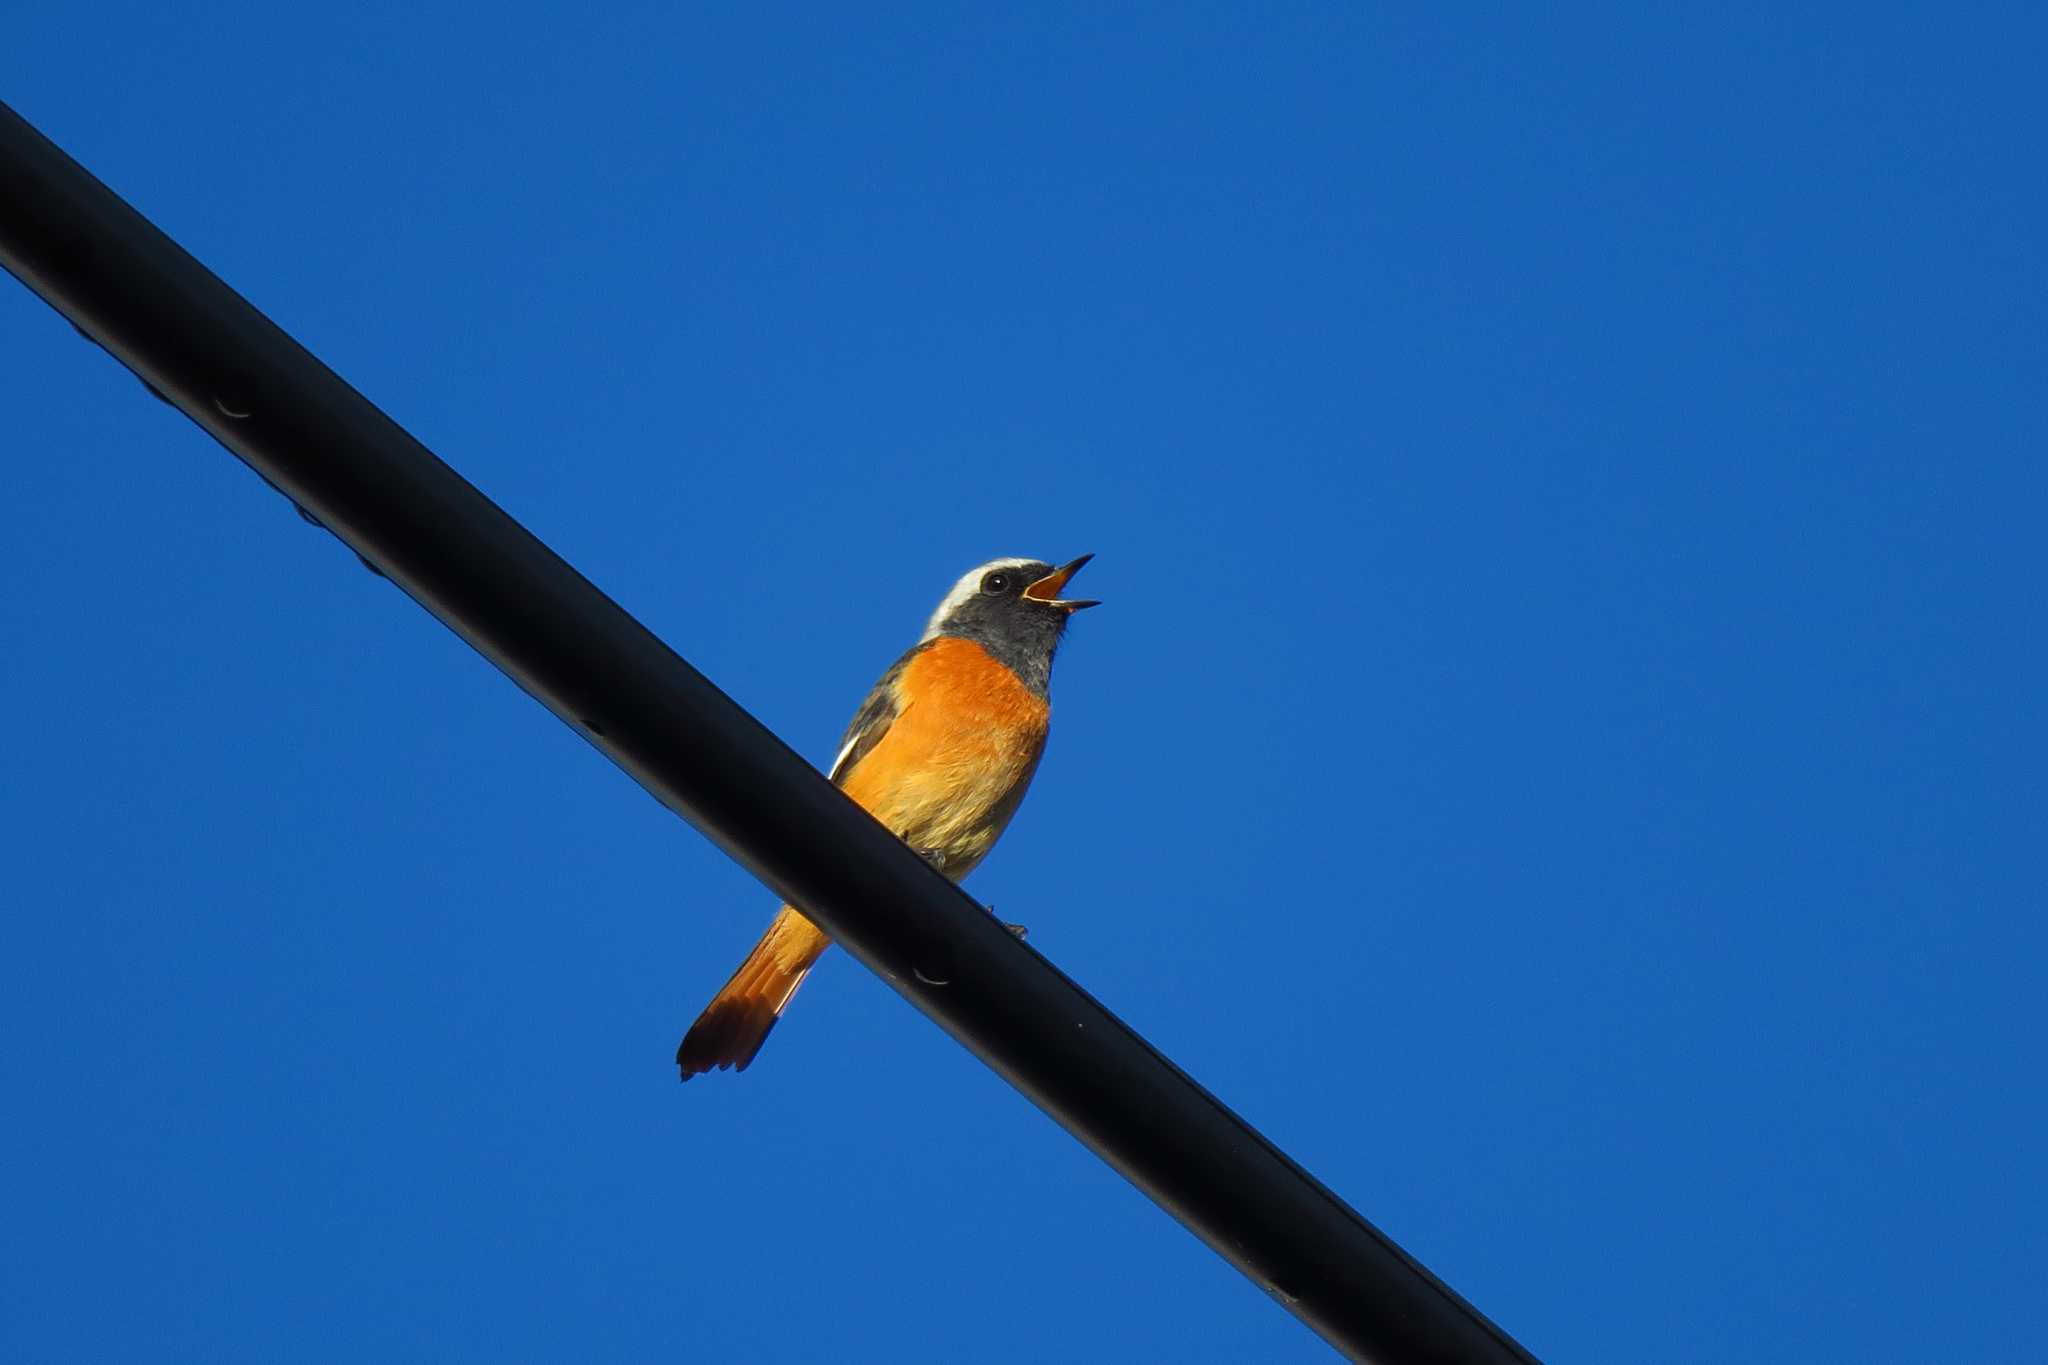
pixel 995 584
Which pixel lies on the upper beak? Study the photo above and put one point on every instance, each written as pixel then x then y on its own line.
pixel 1047 589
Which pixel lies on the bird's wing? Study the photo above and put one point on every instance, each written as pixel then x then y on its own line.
pixel 873 720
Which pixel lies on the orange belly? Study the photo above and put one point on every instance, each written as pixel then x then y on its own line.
pixel 956 760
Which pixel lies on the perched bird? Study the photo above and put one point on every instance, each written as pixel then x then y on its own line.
pixel 940 752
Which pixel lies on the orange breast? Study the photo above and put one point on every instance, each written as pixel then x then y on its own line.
pixel 949 773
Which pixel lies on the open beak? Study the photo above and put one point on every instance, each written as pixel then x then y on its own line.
pixel 1047 589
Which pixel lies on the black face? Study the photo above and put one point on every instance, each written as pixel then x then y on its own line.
pixel 1011 581
pixel 1015 629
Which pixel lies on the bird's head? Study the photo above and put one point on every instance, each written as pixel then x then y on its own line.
pixel 1014 609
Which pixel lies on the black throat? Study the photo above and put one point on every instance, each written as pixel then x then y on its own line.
pixel 1020 635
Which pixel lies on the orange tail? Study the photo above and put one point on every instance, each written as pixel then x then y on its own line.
pixel 736 1022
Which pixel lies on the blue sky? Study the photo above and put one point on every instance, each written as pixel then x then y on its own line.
pixel 1561 752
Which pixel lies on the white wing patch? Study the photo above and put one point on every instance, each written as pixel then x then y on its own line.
pixel 833 774
pixel 964 590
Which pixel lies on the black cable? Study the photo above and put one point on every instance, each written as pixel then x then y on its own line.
pixel 202 347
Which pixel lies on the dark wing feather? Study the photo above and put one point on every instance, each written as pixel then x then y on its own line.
pixel 873 720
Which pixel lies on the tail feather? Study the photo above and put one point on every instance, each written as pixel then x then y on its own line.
pixel 736 1022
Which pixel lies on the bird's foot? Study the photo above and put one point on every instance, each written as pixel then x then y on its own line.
pixel 1017 929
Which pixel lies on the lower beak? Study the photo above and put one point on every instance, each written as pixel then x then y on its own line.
pixel 1047 589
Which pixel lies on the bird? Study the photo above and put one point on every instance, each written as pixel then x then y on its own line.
pixel 940 752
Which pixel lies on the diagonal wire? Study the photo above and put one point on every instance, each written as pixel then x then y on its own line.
pixel 201 347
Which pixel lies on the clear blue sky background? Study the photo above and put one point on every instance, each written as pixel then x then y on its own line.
pixel 1561 754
